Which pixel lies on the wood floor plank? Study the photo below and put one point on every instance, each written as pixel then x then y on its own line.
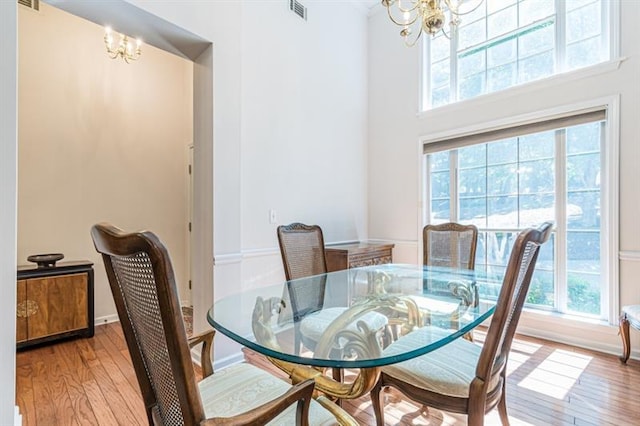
pixel 45 412
pixel 99 404
pixel 73 379
pixel 24 394
pixel 61 401
pixel 130 394
pixel 548 384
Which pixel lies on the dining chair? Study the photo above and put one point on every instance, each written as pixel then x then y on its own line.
pixel 630 316
pixel 142 282
pixel 302 250
pixel 450 244
pixel 462 377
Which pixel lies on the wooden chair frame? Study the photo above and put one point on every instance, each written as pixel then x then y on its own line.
pixel 113 243
pixel 495 351
pixel 455 255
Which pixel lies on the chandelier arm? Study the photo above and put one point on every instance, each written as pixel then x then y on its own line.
pixel 415 40
pixel 402 24
pixel 410 9
pixel 451 8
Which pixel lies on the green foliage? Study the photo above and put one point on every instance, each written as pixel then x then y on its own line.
pixel 582 296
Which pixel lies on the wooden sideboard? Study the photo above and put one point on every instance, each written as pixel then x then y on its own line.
pixel 353 255
pixel 54 303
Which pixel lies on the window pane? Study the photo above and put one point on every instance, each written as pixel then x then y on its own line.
pixel 440 48
pixel 495 5
pixel 473 182
pixel 584 22
pixel 542 287
pixel 583 210
pixel 540 39
pixel 575 4
pixel 473 210
pixel 440 74
pixel 471 64
pixel 584 138
pixel 537 146
pixel 502 212
pixel 440 187
pixel 584 53
pixel 471 86
pixel 502 180
pixel 541 290
pixel 502 77
pixel 583 271
pixel 535 209
pixel 535 10
pixel 536 67
pixel 583 218
pixel 474 155
pixel 502 52
pixel 504 151
pixel 440 96
pixel 515 43
pixel 502 22
pixel 536 176
pixel 440 184
pixel 498 247
pixel 510 185
pixel 471 34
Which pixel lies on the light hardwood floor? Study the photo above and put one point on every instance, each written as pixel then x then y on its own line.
pixel 92 382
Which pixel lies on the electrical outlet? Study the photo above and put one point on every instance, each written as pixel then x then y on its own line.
pixel 272 216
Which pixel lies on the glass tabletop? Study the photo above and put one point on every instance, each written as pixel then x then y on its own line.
pixel 361 317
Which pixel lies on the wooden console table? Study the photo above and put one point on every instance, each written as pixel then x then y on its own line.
pixel 353 255
pixel 54 303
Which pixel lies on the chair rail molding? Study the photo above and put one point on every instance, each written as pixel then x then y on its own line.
pixel 629 255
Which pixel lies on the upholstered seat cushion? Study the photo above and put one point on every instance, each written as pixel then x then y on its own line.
pixel 241 387
pixel 632 313
pixel 448 370
pixel 313 326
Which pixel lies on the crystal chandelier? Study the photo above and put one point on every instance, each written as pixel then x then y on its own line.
pixel 418 16
pixel 124 49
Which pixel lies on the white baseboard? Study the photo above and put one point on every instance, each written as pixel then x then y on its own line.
pixel 106 319
pixel 17 418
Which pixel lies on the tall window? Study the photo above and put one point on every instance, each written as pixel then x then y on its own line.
pixel 517 179
pixel 504 43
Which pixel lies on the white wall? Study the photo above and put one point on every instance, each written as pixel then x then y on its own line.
pixel 395 129
pixel 8 163
pixel 99 140
pixel 290 111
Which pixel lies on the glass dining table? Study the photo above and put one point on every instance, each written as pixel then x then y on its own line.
pixel 358 319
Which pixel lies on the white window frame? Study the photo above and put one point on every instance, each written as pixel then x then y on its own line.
pixel 610 16
pixel 610 183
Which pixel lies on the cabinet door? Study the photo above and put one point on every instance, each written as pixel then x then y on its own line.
pixel 21 311
pixel 61 304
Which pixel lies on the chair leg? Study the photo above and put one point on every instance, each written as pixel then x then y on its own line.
pixel 502 405
pixel 377 402
pixel 624 333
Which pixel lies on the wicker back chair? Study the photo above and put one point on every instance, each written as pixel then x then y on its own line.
pixel 302 250
pixel 461 377
pixel 450 244
pixel 144 289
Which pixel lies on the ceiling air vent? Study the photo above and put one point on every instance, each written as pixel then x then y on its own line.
pixel 298 8
pixel 31 4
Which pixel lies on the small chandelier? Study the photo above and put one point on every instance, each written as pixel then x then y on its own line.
pixel 125 48
pixel 427 15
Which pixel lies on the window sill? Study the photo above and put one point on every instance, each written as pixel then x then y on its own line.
pixel 534 86
pixel 593 334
